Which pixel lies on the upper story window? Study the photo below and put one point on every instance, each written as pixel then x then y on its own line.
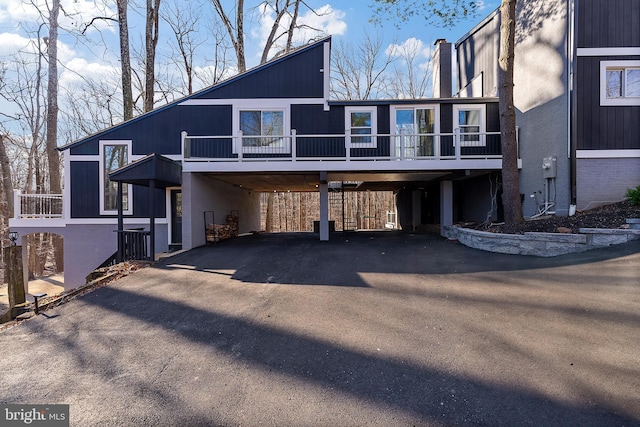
pixel 361 125
pixel 114 155
pixel 415 128
pixel 262 130
pixel 620 83
pixel 470 125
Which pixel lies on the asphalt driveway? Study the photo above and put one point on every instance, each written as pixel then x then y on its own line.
pixel 366 329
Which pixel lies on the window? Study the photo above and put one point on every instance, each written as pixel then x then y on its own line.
pixel 620 83
pixel 114 156
pixel 262 130
pixel 361 125
pixel 470 125
pixel 416 130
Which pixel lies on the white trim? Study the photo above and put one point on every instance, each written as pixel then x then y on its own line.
pixel 374 126
pixel 253 102
pixel 436 129
pixel 286 125
pixel 607 51
pixel 66 191
pixel 326 71
pixel 168 211
pixel 622 101
pixel 482 140
pixel 61 223
pixel 128 144
pixel 607 154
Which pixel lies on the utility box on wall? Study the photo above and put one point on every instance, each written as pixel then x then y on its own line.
pixel 549 167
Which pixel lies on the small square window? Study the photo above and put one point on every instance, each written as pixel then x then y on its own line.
pixel 620 83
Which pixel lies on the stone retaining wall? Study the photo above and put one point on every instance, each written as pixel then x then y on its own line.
pixel 541 244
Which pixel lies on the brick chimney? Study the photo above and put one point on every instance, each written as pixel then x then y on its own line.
pixel 442 83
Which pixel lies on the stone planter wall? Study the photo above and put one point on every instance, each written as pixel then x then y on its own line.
pixel 541 244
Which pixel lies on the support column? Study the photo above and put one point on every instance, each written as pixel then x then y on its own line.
pixel 446 205
pixel 324 207
pixel 416 208
pixel 152 221
pixel 120 256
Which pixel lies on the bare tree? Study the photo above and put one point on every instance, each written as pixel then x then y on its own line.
pixel 235 31
pixel 411 78
pixel 358 72
pixel 151 42
pixel 184 25
pixel 125 60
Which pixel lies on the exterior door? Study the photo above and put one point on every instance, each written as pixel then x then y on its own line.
pixel 416 127
pixel 176 216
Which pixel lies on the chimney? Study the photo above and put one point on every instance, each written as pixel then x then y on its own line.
pixel 442 84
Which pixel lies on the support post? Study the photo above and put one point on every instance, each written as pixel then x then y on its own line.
pixel 446 206
pixel 324 207
pixel 120 231
pixel 152 221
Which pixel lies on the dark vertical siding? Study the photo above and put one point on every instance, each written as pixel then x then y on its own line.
pixel 478 56
pixel 602 128
pixel 610 23
pixel 85 189
pixel 297 76
pixel 142 202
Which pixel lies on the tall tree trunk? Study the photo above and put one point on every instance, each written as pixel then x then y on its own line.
pixel 7 182
pixel 125 60
pixel 51 144
pixel 510 179
pixel 151 41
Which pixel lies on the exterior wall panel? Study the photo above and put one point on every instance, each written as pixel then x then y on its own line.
pixel 300 76
pixel 85 189
pixel 603 127
pixel 610 23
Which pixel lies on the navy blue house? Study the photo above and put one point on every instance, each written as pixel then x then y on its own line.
pixel 272 128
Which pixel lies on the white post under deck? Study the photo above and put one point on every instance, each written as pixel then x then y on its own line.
pixel 446 205
pixel 323 187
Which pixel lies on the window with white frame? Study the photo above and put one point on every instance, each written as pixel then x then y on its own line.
pixel 620 83
pixel 114 155
pixel 361 126
pixel 469 123
pixel 415 127
pixel 262 130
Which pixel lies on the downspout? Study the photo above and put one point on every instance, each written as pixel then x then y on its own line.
pixel 571 99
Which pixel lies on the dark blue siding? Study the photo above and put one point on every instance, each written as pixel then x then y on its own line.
pixel 610 23
pixel 603 128
pixel 296 76
pixel 313 120
pixel 85 189
pixel 160 132
pixel 142 202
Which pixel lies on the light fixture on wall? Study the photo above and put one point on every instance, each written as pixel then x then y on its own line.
pixel 13 236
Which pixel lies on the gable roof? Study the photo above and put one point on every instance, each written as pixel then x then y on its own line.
pixel 200 93
pixel 164 171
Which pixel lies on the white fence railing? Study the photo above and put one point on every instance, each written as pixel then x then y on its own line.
pixel 345 147
pixel 37 205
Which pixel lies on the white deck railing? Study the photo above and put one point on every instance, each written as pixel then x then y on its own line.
pixel 37 205
pixel 339 147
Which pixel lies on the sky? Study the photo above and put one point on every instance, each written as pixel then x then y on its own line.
pixel 96 52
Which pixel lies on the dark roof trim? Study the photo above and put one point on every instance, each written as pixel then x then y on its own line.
pixel 256 69
pixel 153 167
pixel 477 27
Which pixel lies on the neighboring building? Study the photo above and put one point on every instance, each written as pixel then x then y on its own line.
pixel 272 128
pixel 577 94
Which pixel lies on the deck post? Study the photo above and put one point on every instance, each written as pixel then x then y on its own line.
pixel 152 221
pixel 120 231
pixel 446 205
pixel 323 187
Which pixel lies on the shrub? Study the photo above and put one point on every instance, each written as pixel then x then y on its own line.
pixel 633 195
